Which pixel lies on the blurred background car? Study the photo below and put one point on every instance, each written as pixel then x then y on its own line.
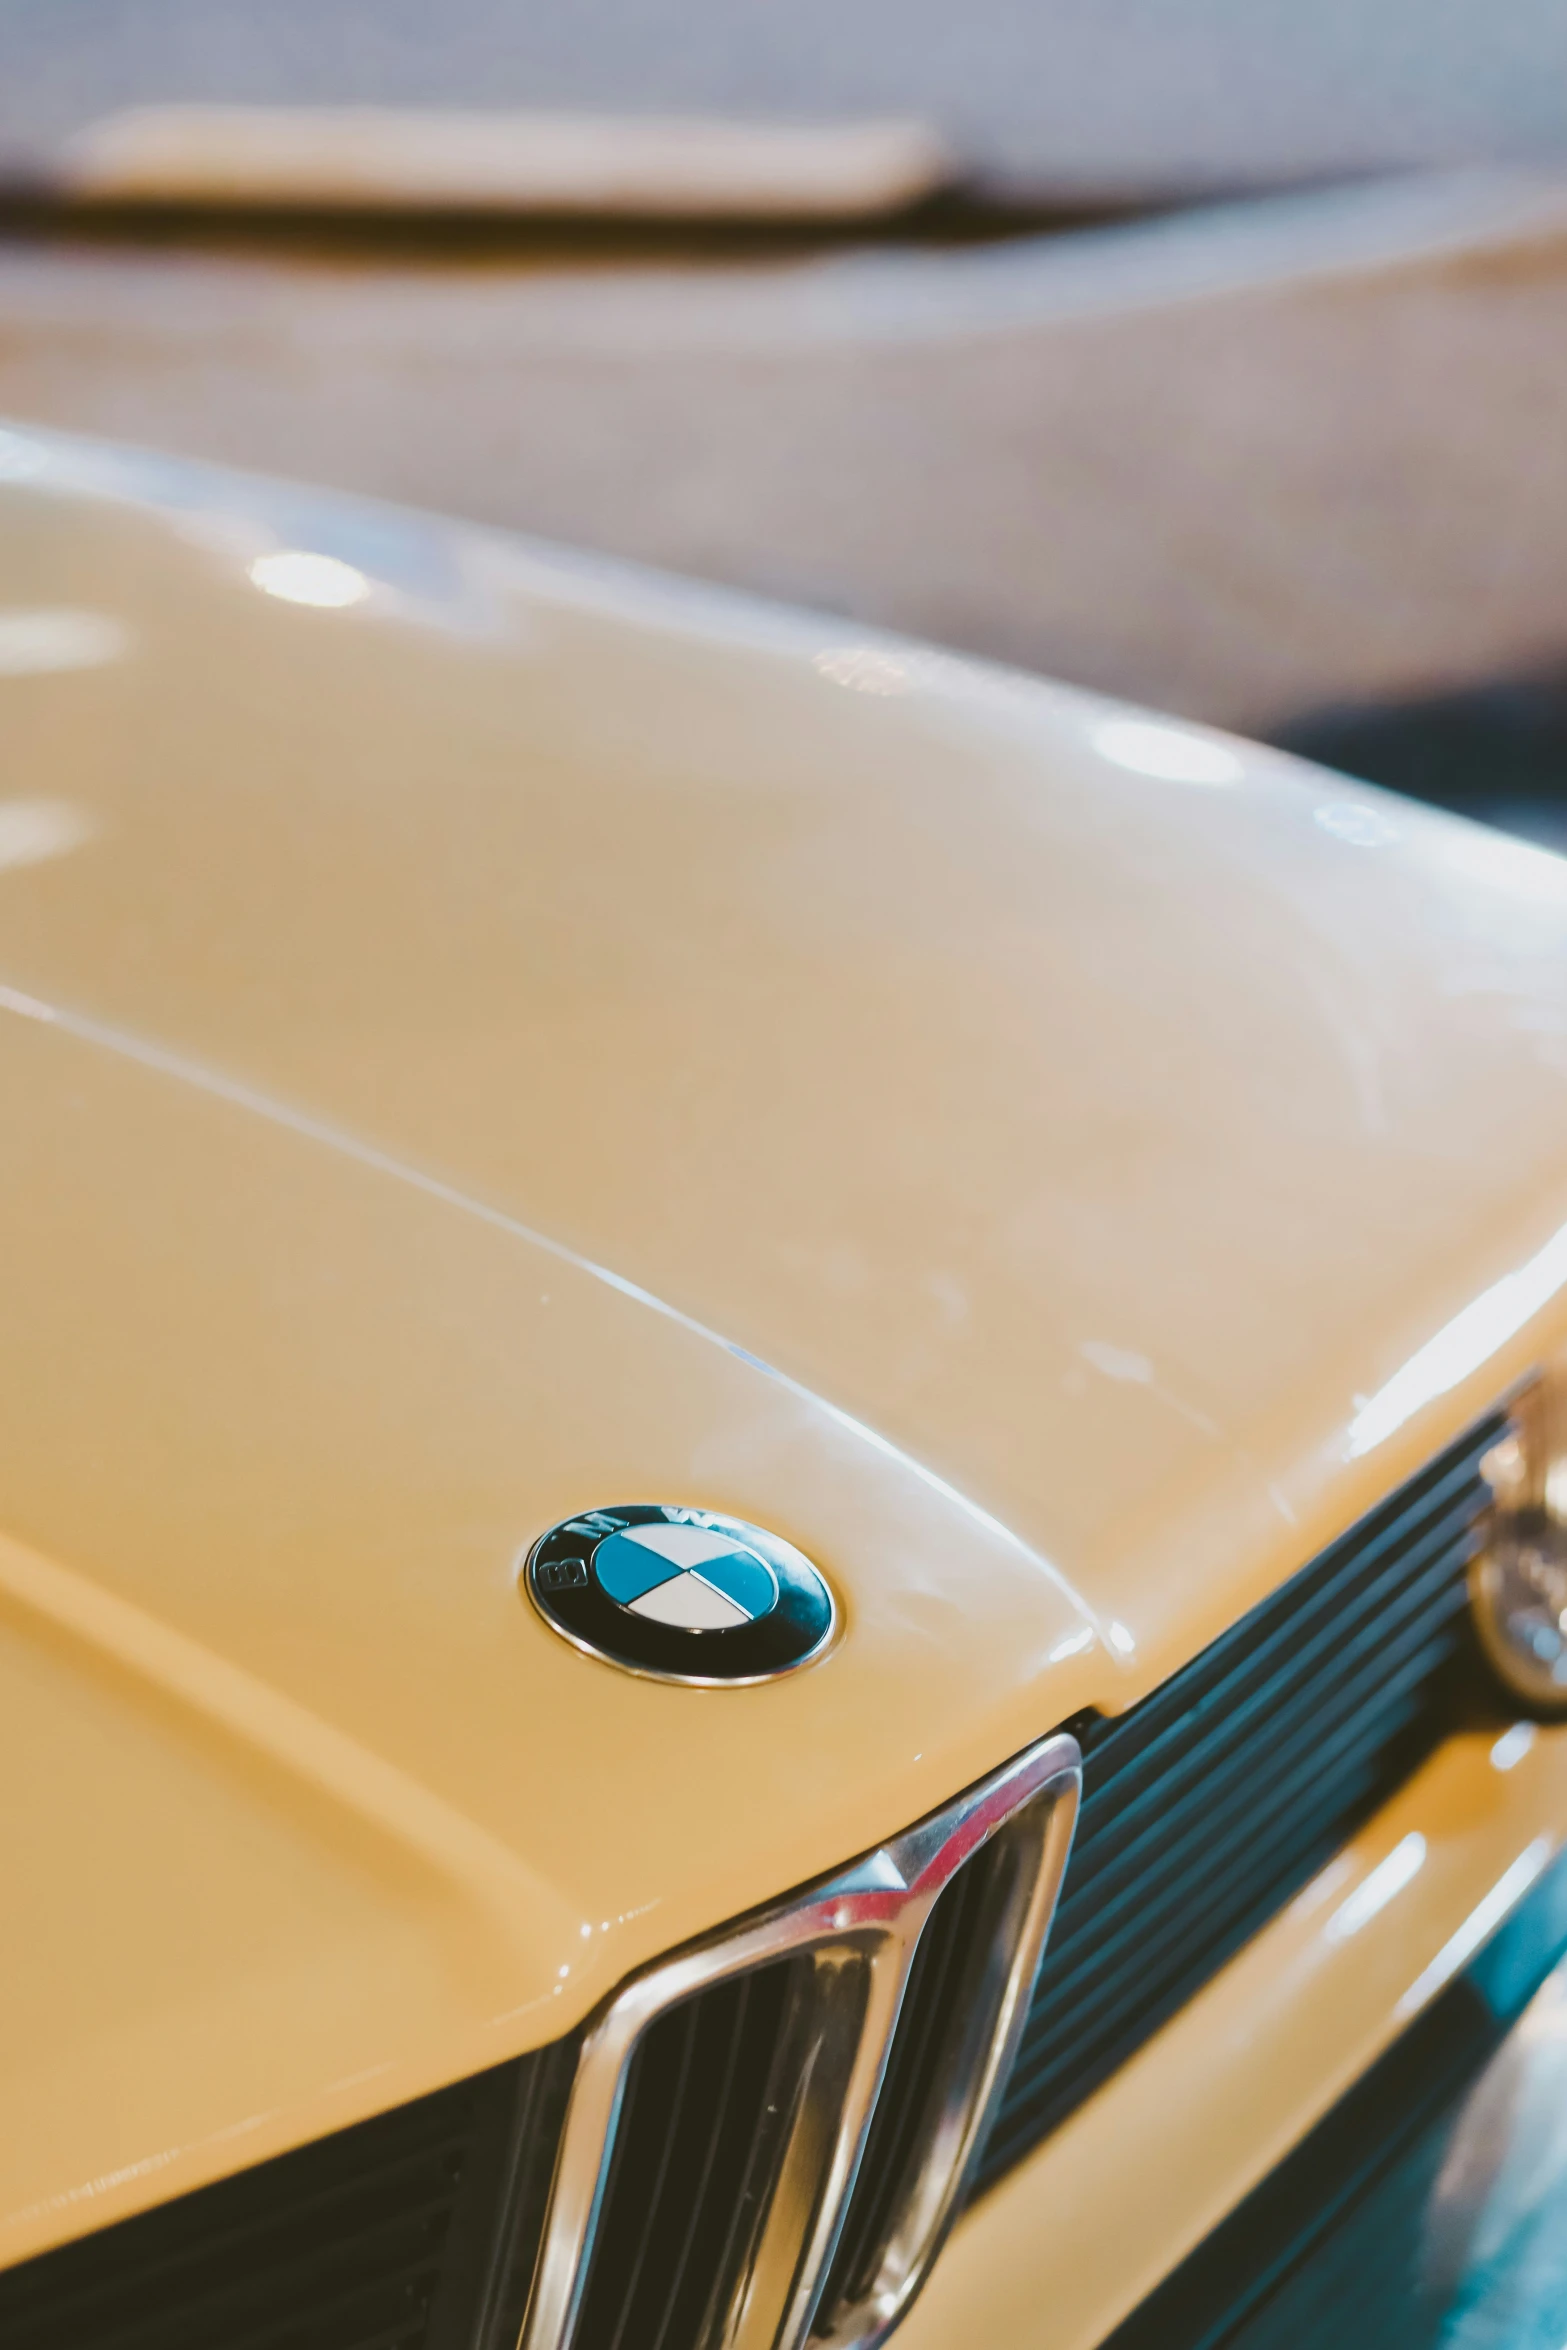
pixel 1209 357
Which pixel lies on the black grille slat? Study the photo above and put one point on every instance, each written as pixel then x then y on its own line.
pixel 1175 1927
pixel 1426 1565
pixel 1209 1805
pixel 356 2242
pixel 1134 1875
pixel 702 2185
pixel 1017 2132
pixel 1104 1892
pixel 1265 1852
pixel 1102 2023
pixel 1135 1999
pixel 675 2103
pixel 1440 1503
pixel 695 2108
pixel 196 2288
pixel 167 2279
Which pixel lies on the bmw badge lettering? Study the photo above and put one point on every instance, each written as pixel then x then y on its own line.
pixel 680 1595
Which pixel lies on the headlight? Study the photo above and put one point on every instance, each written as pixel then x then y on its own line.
pixel 1518 1581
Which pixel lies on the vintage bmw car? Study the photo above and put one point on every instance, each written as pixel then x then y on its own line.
pixel 701 1314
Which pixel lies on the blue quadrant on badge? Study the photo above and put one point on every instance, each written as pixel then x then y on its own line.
pixel 626 1569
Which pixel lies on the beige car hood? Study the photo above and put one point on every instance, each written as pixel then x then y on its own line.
pixel 484 1034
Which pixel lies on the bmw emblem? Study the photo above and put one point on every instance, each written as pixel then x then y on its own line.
pixel 680 1595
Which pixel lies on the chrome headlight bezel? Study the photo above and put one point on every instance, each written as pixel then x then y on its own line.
pixel 1518 1576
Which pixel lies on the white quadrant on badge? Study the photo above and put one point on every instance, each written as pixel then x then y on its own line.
pixel 688 1601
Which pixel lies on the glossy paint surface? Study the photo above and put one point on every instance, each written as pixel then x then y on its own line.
pixel 482 1035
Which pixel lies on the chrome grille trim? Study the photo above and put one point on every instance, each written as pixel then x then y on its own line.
pixel 858 1932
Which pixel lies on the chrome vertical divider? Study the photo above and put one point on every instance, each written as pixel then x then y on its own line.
pixel 858 1932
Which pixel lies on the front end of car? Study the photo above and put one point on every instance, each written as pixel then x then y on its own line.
pixel 781 1533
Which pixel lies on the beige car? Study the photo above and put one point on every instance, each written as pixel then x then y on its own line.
pixel 700 1316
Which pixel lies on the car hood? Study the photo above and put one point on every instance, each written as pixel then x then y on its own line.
pixel 484 1034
